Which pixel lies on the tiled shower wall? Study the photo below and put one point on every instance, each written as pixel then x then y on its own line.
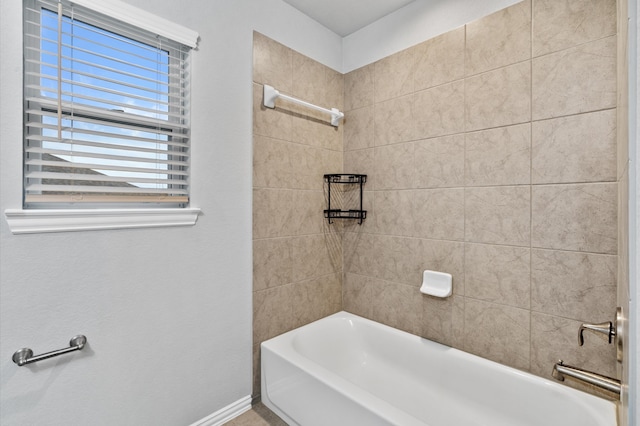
pixel 491 152
pixel 297 257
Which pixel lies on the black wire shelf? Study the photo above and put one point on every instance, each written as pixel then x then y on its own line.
pixel 345 178
pixel 345 214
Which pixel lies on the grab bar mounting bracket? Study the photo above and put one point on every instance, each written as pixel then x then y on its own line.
pixel 25 356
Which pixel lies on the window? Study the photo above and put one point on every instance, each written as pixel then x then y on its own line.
pixel 106 108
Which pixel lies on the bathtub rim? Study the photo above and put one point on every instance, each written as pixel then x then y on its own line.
pixel 284 342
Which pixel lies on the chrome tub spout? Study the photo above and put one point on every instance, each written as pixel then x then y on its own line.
pixel 610 386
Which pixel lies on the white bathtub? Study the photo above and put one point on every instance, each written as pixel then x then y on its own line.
pixel 347 370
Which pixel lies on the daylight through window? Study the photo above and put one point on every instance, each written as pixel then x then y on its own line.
pixel 106 111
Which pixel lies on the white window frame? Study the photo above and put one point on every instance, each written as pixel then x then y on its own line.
pixel 22 221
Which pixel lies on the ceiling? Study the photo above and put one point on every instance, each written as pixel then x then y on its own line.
pixel 344 17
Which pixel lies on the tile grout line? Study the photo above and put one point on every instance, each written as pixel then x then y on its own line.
pixel 463 339
pixel 531 38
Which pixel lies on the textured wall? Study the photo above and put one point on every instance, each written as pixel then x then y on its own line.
pixel 297 257
pixel 144 297
pixel 491 152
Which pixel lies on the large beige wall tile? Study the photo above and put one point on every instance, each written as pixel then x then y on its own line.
pixel 368 224
pixel 498 98
pixel 272 63
pixel 439 213
pixel 578 148
pixel 358 129
pixel 561 24
pixel 394 166
pixel 575 80
pixel 499 215
pixel 443 320
pixel 358 88
pixel 499 156
pixel 439 111
pixel 272 166
pixel 271 213
pixel 307 166
pixel 439 162
pixel 308 207
pixel 439 60
pixel 334 90
pixel 272 312
pixel 575 217
pixel 357 295
pixel 313 128
pixel 318 84
pixel 500 39
pixel 554 338
pixel 311 164
pixel 330 162
pixel 359 254
pixel 315 255
pixel 336 142
pixel 362 162
pixel 441 256
pixel 393 121
pixel 394 212
pixel 272 265
pixel 398 305
pixel 395 259
pixel 274 123
pixel 499 274
pixel 575 285
pixel 393 75
pixel 316 298
pixel 497 332
pixel 309 82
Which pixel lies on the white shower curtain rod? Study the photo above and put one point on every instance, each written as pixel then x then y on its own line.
pixel 271 94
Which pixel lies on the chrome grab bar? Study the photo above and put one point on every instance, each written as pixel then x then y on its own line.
pixel 25 356
pixel 596 380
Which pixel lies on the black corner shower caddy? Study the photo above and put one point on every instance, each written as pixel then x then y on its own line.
pixel 348 179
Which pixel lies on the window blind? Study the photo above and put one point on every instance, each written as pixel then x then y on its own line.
pixel 106 110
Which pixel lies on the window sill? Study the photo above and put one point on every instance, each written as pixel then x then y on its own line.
pixel 41 221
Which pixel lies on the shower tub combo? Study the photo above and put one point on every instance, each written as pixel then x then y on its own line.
pixel 347 370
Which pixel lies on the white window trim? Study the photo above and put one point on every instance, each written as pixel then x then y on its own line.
pixel 141 18
pixel 64 220
pixel 43 221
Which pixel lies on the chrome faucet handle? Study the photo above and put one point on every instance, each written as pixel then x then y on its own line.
pixel 605 328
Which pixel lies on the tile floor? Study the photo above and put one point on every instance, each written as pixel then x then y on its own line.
pixel 259 415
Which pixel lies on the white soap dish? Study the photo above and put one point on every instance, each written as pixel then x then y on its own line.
pixel 436 284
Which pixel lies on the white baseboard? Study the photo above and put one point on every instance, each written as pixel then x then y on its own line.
pixel 227 413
